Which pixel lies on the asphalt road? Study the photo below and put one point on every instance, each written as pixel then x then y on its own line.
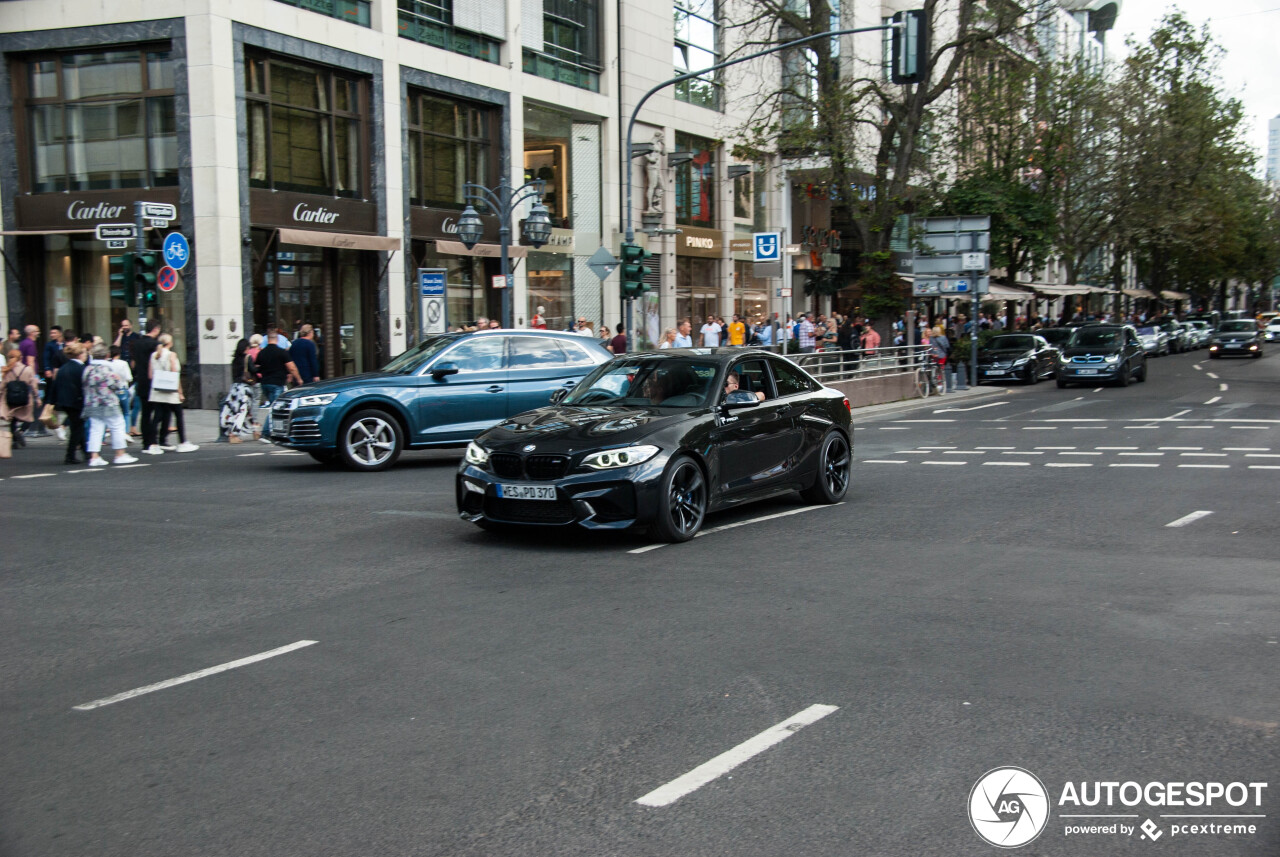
pixel 1000 588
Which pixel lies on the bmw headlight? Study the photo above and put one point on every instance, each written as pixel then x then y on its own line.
pixel 1112 358
pixel 624 457
pixel 1064 358
pixel 477 454
pixel 314 401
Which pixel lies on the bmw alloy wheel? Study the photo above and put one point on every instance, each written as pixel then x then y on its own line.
pixel 683 505
pixel 834 466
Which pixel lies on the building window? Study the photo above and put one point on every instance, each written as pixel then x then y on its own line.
pixel 695 183
pixel 570 44
pixel 355 11
pixel 431 22
pixel 697 46
pixel 101 119
pixel 306 127
pixel 450 143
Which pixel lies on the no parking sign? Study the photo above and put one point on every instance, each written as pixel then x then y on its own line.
pixel 167 279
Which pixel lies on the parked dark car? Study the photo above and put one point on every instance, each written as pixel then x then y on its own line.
pixel 1025 357
pixel 1056 336
pixel 441 393
pixel 656 440
pixel 1103 352
pixel 1237 338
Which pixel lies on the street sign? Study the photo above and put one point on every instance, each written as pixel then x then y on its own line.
pixel 784 293
pixel 117 231
pixel 176 250
pixel 932 287
pixel 117 244
pixel 956 242
pixel 966 223
pixel 767 246
pixel 431 297
pixel 159 211
pixel 939 265
pixel 167 279
pixel 602 263
pixel 156 223
pixel 500 282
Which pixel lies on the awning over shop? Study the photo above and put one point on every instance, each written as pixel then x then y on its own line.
pixel 1056 290
pixel 1008 293
pixel 341 240
pixel 46 231
pixel 1138 293
pixel 488 251
pixel 1175 296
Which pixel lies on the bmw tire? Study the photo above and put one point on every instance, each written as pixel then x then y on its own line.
pixel 835 467
pixel 682 502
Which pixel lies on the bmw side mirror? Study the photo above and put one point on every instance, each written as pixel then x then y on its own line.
pixel 558 396
pixel 440 370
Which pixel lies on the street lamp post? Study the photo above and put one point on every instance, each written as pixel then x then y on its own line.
pixel 503 201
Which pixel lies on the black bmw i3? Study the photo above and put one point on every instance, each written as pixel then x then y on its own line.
pixel 660 440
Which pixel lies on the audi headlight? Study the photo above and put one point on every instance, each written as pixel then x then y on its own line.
pixel 624 457
pixel 314 401
pixel 477 454
pixel 1112 358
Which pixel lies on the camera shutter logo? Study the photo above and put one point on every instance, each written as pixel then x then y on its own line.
pixel 1008 807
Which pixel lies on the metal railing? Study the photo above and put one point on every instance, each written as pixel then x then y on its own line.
pixel 831 366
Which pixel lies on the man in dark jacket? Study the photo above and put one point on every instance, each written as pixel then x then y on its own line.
pixel 304 354
pixel 142 349
pixel 276 370
pixel 68 397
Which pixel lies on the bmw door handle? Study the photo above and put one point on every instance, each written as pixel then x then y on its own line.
pixel 494 389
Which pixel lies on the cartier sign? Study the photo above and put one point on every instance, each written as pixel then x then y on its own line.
pixel 436 223
pixel 281 209
pixel 84 210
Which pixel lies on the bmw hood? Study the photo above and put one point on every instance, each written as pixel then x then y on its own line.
pixel 1091 350
pixel 564 428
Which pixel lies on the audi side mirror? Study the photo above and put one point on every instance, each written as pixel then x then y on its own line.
pixel 440 370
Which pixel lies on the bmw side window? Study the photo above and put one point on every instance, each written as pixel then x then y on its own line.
pixel 535 352
pixel 483 354
pixel 789 379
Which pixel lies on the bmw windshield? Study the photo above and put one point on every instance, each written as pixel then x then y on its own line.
pixel 418 356
pixel 1096 337
pixel 667 382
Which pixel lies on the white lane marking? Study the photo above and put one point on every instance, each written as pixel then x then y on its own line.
pixel 1128 428
pixel 1097 389
pixel 1247 448
pixel 1008 463
pixel 1202 454
pixel 32 475
pixel 1076 419
pixel 183 679
pixel 892 428
pixel 1180 448
pixel 945 462
pixel 965 452
pixel 1193 427
pixel 1208 466
pixel 1178 414
pixel 1115 448
pixel 1089 428
pixel 1022 453
pixel 912 452
pixel 1055 447
pixel 1145 454
pixel 128 466
pixel 1069 464
pixel 1197 367
pixel 1133 464
pixel 1222 388
pixel 924 421
pixel 1214 399
pixel 1252 428
pixel 1243 420
pixel 974 408
pixel 1260 455
pixel 724 527
pixel 1079 453
pixel 86 470
pixel 935 447
pixel 730 759
pixel 249 454
pixel 885 461
pixel 1187 519
pixel 1211 375
pixel 1264 466
pixel 1039 428
pixel 993 447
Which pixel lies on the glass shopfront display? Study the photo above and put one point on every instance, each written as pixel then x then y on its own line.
pixel 551 287
pixel 697 296
pixel 468 296
pixel 750 295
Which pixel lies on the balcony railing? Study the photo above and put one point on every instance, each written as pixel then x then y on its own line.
pixel 355 11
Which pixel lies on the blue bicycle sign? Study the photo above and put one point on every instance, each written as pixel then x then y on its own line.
pixel 176 250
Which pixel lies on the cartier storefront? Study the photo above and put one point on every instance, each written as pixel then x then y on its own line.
pixel 63 271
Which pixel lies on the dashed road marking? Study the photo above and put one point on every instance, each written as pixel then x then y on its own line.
pixel 706 772
pixel 1187 519
pixel 183 679
pixel 885 461
pixel 1007 463
pixel 32 475
pixel 1069 464
pixel 737 524
pixel 1132 464
pixel 1214 399
pixel 945 462
pixel 1208 466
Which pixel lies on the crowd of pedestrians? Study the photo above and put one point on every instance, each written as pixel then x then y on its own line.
pixel 84 391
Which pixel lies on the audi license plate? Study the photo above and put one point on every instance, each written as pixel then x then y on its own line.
pixel 527 492
pixel 1086 371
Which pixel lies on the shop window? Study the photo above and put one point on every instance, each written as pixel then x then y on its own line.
pixel 570 44
pixel 695 183
pixel 546 157
pixel 450 144
pixel 306 128
pixel 355 11
pixel 697 46
pixel 432 23
pixel 98 119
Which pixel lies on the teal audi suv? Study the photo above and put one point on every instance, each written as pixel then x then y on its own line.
pixel 439 394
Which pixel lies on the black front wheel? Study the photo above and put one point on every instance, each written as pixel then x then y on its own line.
pixel 835 463
pixel 682 504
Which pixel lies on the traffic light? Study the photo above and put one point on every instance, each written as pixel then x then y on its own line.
pixel 633 270
pixel 910 48
pixel 121 277
pixel 145 265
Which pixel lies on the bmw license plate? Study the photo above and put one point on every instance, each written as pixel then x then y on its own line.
pixel 527 492
pixel 1086 371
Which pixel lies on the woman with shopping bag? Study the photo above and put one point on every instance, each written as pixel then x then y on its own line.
pixel 166 394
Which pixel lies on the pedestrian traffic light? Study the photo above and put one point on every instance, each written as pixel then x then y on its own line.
pixel 633 270
pixel 145 265
pixel 121 277
pixel 910 47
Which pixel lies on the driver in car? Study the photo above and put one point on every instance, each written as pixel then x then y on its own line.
pixel 731 386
